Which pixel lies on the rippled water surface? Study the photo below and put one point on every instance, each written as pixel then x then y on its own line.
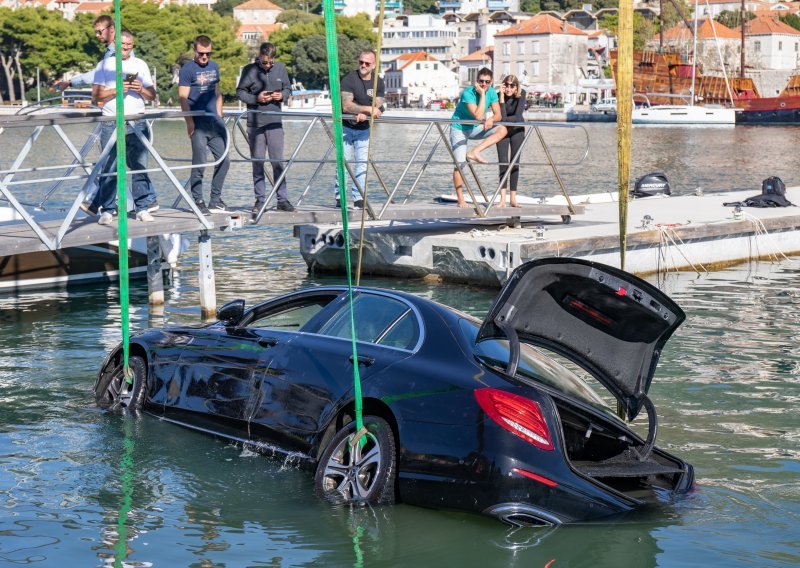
pixel 82 488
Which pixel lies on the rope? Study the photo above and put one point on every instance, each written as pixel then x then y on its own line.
pixel 336 103
pixel 760 229
pixel 122 198
pixel 375 77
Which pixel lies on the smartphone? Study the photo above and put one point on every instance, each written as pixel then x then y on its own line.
pixel 130 77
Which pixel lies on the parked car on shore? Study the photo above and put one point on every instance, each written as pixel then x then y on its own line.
pixel 605 105
pixel 498 416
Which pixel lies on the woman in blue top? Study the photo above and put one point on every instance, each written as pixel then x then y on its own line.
pixel 474 103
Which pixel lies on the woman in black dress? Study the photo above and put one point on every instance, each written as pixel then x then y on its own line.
pixel 512 105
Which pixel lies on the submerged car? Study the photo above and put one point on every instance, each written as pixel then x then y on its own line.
pixel 500 416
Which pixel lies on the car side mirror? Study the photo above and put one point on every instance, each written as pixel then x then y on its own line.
pixel 231 313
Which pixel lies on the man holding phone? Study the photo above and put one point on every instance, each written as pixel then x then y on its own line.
pixel 264 86
pixel 138 87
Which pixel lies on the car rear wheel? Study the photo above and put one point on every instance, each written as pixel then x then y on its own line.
pixel 354 472
pixel 114 392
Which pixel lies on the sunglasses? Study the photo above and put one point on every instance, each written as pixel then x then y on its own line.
pixel 202 53
pixel 484 81
pixel 365 63
pixel 101 30
pixel 509 85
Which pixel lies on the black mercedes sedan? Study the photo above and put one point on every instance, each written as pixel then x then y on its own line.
pixel 522 416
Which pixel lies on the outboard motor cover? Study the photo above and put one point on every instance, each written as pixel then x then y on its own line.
pixel 651 184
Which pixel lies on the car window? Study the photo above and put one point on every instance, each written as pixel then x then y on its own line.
pixel 378 319
pixel 403 334
pixel 291 316
pixel 536 365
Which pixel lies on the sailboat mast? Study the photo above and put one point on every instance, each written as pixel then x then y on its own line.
pixel 741 65
pixel 694 56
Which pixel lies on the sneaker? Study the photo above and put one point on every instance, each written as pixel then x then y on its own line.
pixel 107 217
pixel 218 205
pixel 358 204
pixel 152 207
pixel 338 203
pixel 144 216
pixel 285 206
pixel 201 205
pixel 88 208
pixel 257 207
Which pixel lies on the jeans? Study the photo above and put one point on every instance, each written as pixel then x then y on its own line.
pixel 264 139
pixel 209 134
pixel 356 145
pixel 135 159
pixel 458 139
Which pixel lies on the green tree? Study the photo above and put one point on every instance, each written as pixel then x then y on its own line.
pixel 353 27
pixel 34 38
pixel 531 6
pixel 311 58
pixel 225 7
pixel 292 17
pixel 791 20
pixel 420 7
pixel 733 19
pixel 643 29
pixel 151 51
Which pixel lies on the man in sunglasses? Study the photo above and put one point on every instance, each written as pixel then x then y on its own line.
pixel 475 102
pixel 198 90
pixel 104 32
pixel 358 96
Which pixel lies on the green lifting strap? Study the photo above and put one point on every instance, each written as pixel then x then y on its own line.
pixel 336 102
pixel 122 200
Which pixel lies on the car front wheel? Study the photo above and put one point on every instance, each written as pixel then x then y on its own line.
pixel 114 392
pixel 353 471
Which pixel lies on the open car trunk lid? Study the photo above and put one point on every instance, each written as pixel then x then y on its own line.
pixel 610 322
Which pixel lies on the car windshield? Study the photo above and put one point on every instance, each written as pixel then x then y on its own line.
pixel 535 365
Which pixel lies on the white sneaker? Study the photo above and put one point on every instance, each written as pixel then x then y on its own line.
pixel 106 218
pixel 144 216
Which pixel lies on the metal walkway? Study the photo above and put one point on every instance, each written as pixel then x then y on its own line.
pixel 28 190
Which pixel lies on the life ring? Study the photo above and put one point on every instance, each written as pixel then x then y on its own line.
pixel 782 105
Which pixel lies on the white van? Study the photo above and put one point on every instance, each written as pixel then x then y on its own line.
pixel 606 105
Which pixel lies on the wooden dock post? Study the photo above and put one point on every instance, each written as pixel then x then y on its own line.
pixel 208 292
pixel 155 279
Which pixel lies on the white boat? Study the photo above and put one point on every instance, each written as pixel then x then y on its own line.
pixel 304 100
pixel 687 113
pixel 683 114
pixel 66 267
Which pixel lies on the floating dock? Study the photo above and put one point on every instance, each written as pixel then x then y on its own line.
pixel 692 232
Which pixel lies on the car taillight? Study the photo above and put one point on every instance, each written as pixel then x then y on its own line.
pixel 516 414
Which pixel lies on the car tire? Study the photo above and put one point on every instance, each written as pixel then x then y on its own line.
pixel 361 474
pixel 113 392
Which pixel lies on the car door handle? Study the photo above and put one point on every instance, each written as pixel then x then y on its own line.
pixel 363 360
pixel 267 342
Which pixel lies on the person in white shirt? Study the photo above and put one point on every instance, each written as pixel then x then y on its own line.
pixel 138 87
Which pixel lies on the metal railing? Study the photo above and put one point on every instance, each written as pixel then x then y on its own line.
pixel 434 128
pixel 412 167
pixel 81 169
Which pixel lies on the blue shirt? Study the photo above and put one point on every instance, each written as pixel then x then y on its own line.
pixel 202 83
pixel 88 78
pixel 470 96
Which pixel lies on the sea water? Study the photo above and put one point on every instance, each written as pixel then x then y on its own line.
pixel 79 487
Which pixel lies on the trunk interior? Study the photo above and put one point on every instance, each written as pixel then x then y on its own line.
pixel 608 453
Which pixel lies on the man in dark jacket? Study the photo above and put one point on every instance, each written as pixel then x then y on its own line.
pixel 264 86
